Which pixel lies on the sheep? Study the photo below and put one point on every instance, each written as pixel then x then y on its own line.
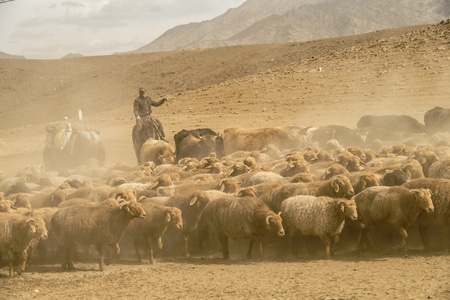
pixel 238 168
pixel 153 226
pixel 396 206
pixel 363 181
pixel 301 177
pixel 6 205
pixel 440 169
pixel 242 218
pixel 47 199
pixel 103 192
pixel 100 225
pixel 294 167
pixel 338 186
pixel 20 200
pixel 17 231
pixel 394 177
pixel 227 185
pixel 191 206
pixel 257 177
pixel 50 243
pixel 355 150
pixel 318 216
pixel 440 189
pixel 350 161
pixel 413 169
pixel 333 170
pixel 426 158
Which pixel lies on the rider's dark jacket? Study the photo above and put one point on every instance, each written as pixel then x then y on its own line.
pixel 142 106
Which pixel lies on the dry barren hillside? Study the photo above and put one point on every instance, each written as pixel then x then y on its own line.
pixel 332 81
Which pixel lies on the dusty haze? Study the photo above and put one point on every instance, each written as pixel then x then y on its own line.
pixel 335 81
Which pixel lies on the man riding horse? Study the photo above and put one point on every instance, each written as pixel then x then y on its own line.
pixel 146 126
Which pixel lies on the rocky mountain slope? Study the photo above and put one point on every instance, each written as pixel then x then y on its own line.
pixel 263 21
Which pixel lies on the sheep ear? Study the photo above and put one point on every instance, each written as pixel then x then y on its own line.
pixel 268 219
pixel 408 174
pixel 222 186
pixel 168 217
pixel 13 199
pixel 363 181
pixel 31 227
pixel 342 206
pixel 335 185
pixel 193 200
pixel 416 192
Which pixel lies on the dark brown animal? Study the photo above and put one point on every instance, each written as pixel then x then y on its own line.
pixel 94 224
pixel 437 119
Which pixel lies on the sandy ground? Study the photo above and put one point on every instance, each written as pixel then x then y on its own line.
pixel 326 82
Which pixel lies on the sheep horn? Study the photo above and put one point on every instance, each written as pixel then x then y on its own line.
pixel 268 219
pixel 193 200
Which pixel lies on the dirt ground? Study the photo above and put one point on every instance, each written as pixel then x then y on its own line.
pixel 335 81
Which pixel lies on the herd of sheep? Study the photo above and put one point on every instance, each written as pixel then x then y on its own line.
pixel 311 190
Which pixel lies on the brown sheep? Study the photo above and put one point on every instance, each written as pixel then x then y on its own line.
pixel 440 189
pixel 157 151
pixel 191 206
pixel 238 168
pixel 153 226
pixel 100 225
pixel 440 169
pixel 6 206
pixel 394 177
pixel 363 181
pixel 20 200
pixel 301 177
pixel 358 151
pixel 350 161
pixel 17 231
pixel 333 170
pixel 242 218
pixel 294 167
pixel 426 158
pixel 396 206
pixel 47 199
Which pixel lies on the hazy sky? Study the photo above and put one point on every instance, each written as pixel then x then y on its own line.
pixel 50 29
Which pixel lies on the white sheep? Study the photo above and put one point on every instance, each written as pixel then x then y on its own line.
pixel 323 217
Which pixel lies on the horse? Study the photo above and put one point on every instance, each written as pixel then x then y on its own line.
pixel 148 128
